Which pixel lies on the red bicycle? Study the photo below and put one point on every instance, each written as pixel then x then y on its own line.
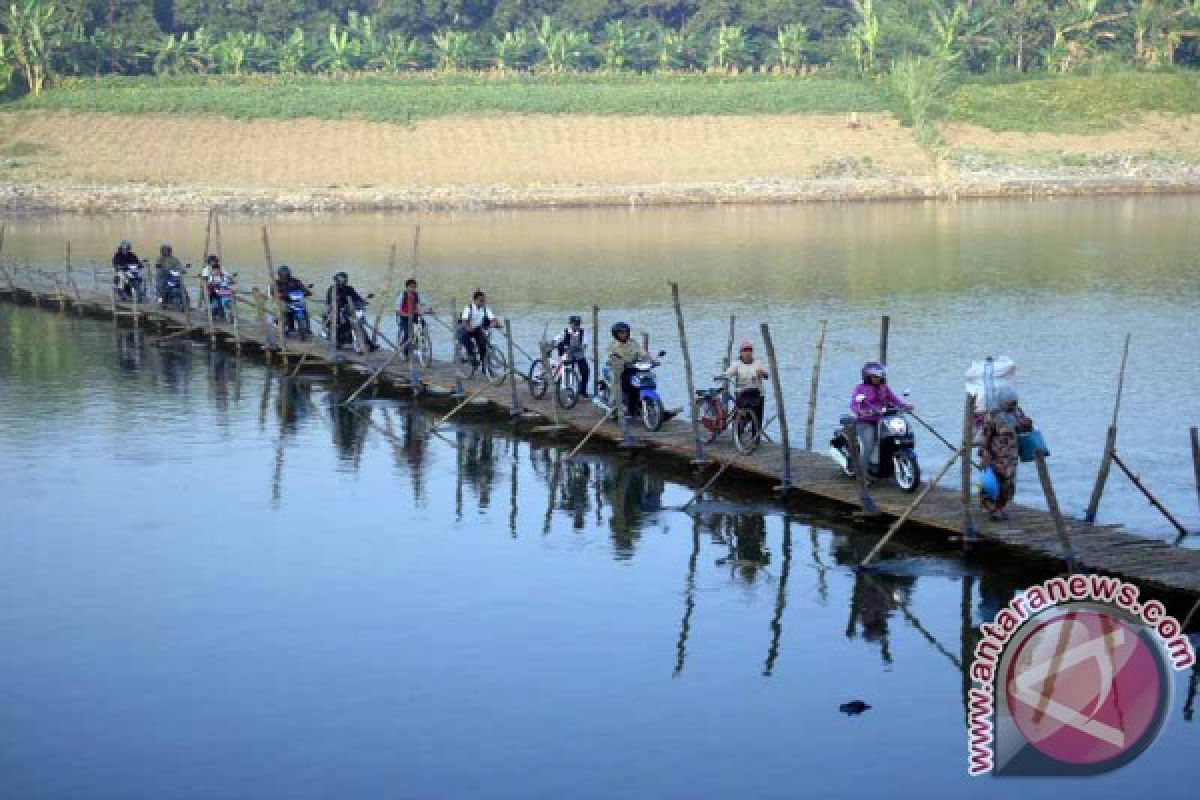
pixel 719 410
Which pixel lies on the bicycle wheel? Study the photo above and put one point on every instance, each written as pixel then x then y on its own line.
pixel 424 350
pixel 567 390
pixel 537 378
pixel 463 362
pixel 745 430
pixel 711 419
pixel 497 366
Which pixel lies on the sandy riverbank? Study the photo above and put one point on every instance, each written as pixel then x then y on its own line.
pixel 78 162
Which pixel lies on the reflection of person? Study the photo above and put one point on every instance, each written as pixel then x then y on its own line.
pixel 999 449
pixel 749 540
pixel 871 603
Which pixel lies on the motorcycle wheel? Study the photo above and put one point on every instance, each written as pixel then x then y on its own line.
pixel 497 367
pixel 745 431
pixel 652 413
pixel 907 473
pixel 710 419
pixel 537 379
pixel 567 392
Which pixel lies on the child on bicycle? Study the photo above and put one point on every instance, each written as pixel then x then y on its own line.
pixel 408 299
pixel 572 349
pixel 474 323
pixel 747 376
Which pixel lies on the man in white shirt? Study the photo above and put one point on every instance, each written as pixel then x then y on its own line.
pixel 747 376
pixel 474 323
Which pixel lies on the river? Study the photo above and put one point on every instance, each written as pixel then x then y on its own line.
pixel 215 583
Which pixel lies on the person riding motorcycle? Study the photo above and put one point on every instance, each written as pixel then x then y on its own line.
pixel 747 376
pixel 349 303
pixel 122 260
pixel 623 353
pixel 868 402
pixel 285 284
pixel 474 323
pixel 163 265
pixel 572 349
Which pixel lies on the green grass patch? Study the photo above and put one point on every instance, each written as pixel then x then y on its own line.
pixel 1075 104
pixel 21 149
pixel 414 98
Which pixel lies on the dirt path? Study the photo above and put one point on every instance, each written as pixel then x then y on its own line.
pixel 87 162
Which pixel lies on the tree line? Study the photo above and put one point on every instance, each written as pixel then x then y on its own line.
pixel 41 39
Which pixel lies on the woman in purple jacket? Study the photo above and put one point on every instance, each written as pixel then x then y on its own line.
pixel 870 399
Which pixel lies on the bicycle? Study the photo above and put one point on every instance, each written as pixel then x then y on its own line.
pixel 494 366
pixel 564 375
pixel 422 344
pixel 719 410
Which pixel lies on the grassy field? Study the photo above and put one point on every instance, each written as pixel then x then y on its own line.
pixel 1060 104
pixel 409 99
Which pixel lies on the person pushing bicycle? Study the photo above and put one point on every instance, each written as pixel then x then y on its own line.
pixel 572 349
pixel 747 376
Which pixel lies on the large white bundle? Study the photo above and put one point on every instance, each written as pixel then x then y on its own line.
pixel 984 377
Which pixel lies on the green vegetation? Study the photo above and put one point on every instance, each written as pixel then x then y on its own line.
pixel 1075 103
pixel 49 39
pixel 413 98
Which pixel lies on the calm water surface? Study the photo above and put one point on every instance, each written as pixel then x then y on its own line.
pixel 213 583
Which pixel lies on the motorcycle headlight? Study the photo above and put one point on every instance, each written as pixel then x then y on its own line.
pixel 897 426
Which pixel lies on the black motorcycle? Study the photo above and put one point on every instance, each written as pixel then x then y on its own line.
pixel 897 453
pixel 171 292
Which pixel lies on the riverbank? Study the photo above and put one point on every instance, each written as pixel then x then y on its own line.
pixel 87 162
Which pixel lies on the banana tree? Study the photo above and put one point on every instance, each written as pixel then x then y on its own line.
pixel 453 50
pixel 729 49
pixel 510 50
pixel 6 68
pixel 32 28
pixel 399 52
pixel 668 50
pixel 292 52
pixel 340 48
pixel 619 43
pixel 175 55
pixel 230 52
pixel 864 36
pixel 562 49
pixel 362 29
pixel 788 47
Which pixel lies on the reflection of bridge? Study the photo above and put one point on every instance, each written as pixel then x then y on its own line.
pixel 1151 563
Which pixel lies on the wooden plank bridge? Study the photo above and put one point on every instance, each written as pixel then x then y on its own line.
pixel 815 477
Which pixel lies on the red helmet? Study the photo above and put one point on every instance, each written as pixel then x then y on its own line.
pixel 745 346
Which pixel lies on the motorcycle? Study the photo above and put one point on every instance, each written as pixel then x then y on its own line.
pixel 645 383
pixel 173 295
pixel 221 297
pixel 129 281
pixel 897 453
pixel 351 326
pixel 295 312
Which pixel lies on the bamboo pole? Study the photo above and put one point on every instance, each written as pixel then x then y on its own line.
pixel 512 373
pixel 912 507
pixel 413 377
pixel 372 378
pixel 970 530
pixel 279 301
pixel 1196 458
pixel 729 343
pixel 781 410
pixel 237 333
pixel 217 237
pixel 1154 501
pixel 813 387
pixel 1110 444
pixel 389 285
pixel 595 346
pixel 12 287
pixel 461 405
pixel 133 295
pixel 687 372
pixel 207 300
pixel 1060 525
pixel 603 418
pixel 885 325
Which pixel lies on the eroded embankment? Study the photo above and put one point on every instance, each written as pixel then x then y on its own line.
pixel 59 161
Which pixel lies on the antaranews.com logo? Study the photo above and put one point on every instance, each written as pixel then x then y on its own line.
pixel 1073 677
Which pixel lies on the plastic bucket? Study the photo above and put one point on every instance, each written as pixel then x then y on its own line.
pixel 1029 443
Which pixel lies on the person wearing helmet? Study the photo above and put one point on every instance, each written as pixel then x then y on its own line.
pixel 623 353
pixel 474 323
pixel 285 284
pixel 163 265
pixel 998 449
pixel 572 345
pixel 870 399
pixel 349 303
pixel 122 260
pixel 747 375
